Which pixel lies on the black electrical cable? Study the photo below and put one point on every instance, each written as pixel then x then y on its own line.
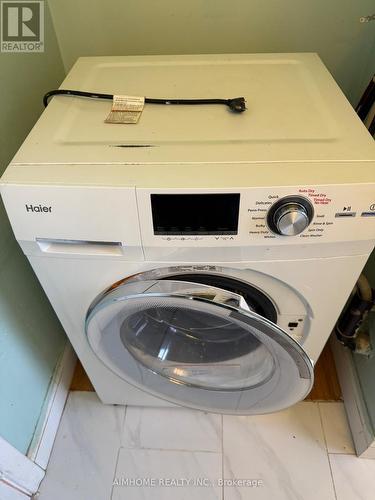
pixel 237 104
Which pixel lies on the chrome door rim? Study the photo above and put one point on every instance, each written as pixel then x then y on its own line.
pixel 276 335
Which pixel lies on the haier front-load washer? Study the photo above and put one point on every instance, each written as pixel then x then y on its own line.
pixel 199 257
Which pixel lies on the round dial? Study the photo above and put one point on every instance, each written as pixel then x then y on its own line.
pixel 290 216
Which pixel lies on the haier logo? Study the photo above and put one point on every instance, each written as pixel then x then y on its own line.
pixel 38 209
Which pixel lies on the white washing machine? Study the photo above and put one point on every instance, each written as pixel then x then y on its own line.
pixel 199 257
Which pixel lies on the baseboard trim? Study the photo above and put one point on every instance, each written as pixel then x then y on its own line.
pixel 18 473
pixel 11 492
pixel 355 406
pixel 46 430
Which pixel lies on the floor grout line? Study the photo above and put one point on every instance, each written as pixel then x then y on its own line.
pixel 322 427
pixel 184 450
pixel 123 426
pixel 327 453
pixel 342 453
pixel 122 430
pixel 114 472
pixel 222 456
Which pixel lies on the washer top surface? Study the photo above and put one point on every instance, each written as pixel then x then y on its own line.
pixel 296 112
pixel 299 129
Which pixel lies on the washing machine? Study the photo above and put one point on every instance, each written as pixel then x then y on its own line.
pixel 199 256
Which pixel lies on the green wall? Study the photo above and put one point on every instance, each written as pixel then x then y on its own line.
pixel 31 338
pixel 121 27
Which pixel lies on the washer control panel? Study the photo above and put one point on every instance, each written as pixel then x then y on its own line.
pixel 321 213
pixel 254 216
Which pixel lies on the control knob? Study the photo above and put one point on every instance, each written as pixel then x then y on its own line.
pixel 290 216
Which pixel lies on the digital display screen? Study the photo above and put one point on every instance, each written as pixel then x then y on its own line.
pixel 192 214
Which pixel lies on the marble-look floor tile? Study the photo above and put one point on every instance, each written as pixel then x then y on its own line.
pixel 167 475
pixel 172 429
pixel 285 451
pixel 354 477
pixel 84 456
pixel 336 428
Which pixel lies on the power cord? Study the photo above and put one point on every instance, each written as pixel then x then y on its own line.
pixel 237 104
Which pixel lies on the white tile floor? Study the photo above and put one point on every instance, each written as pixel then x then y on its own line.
pixel 116 453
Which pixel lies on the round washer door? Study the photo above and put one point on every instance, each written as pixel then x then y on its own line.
pixel 197 346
